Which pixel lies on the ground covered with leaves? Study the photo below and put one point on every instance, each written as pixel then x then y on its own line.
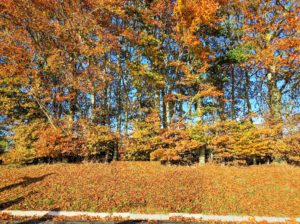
pixel 148 187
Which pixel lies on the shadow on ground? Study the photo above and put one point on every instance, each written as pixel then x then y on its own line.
pixel 44 219
pixel 24 183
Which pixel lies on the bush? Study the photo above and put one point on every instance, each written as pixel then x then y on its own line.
pixel 293 144
pixel 19 156
pixel 69 142
pixel 101 143
pixel 3 146
pixel 231 140
pixel 145 138
pixel 177 147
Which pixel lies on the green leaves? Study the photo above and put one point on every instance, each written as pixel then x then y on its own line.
pixel 238 54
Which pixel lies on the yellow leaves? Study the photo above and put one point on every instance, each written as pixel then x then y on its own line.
pixel 191 41
pixel 177 147
pixel 57 28
pixel 182 68
pixel 129 34
pixel 41 140
pixel 148 40
pixel 206 90
pixel 165 155
pixel 100 139
pixel 115 6
pixel 99 49
pixel 143 187
pixel 191 13
pixel 180 8
pixel 145 138
pixel 272 20
pixel 90 47
pixel 5 5
pixel 229 138
pixel 61 98
pixel 142 73
pixel 188 145
pixel 18 156
pixel 157 154
pixel 55 61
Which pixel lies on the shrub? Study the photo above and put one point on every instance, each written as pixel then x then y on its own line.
pixel 232 140
pixel 57 143
pixel 177 147
pixel 293 152
pixel 145 138
pixel 19 156
pixel 41 142
pixel 25 135
pixel 100 142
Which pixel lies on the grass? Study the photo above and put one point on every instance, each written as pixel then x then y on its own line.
pixel 146 187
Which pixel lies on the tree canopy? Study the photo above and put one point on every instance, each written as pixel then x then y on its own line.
pixel 177 81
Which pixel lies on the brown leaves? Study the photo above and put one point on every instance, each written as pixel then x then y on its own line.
pixel 39 140
pixel 206 90
pixel 274 27
pixel 144 187
pixel 232 140
pixel 96 62
pixel 192 13
pixel 144 139
pixel 61 98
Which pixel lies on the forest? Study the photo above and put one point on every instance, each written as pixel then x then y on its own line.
pixel 175 81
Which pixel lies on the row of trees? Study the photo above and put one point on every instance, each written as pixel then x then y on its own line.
pixel 179 81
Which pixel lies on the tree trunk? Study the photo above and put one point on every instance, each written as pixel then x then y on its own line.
pixel 73 104
pixel 119 117
pixel 199 110
pixel 202 156
pixel 108 107
pixel 164 115
pixel 93 107
pixel 222 104
pixel 126 114
pixel 232 94
pixel 247 98
pixel 274 95
pixel 169 107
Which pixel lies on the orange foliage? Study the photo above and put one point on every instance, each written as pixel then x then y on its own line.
pixel 148 187
pixel 145 138
pixel 73 70
pixel 177 146
pixel 230 140
pixel 43 142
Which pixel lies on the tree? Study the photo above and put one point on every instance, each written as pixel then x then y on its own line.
pixel 166 80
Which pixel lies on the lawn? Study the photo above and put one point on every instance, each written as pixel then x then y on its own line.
pixel 146 187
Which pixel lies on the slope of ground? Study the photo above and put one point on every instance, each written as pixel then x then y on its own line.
pixel 146 187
